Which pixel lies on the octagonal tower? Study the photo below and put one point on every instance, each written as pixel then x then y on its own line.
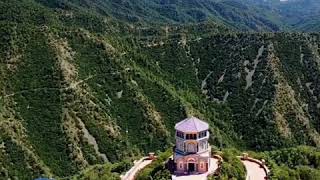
pixel 192 150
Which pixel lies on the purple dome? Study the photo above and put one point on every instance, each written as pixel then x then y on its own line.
pixel 192 124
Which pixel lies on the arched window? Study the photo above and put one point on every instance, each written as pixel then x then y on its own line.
pixel 203 145
pixel 191 160
pixel 181 146
pixel 201 165
pixel 181 165
pixel 192 147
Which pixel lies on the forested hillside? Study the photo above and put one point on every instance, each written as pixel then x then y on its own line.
pixel 244 15
pixel 80 86
pixel 268 81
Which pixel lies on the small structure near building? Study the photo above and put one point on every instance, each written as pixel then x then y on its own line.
pixel 151 156
pixel 245 155
pixel 192 151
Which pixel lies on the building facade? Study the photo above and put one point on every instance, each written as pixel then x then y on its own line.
pixel 192 151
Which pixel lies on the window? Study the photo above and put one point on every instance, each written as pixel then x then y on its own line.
pixel 180 165
pixel 180 134
pixel 181 146
pixel 191 136
pixel 202 134
pixel 203 145
pixel 201 165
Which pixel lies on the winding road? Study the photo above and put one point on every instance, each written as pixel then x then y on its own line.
pixel 138 165
pixel 254 170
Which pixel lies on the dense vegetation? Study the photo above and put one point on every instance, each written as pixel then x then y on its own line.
pixel 231 167
pixel 256 15
pixel 103 172
pixel 157 170
pixel 296 163
pixel 292 163
pixel 79 87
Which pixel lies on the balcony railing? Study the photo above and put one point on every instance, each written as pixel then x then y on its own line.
pixel 205 137
pixel 175 149
pixel 184 152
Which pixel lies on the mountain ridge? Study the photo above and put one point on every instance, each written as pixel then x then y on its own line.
pixel 240 15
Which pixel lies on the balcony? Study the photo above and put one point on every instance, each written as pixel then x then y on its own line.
pixel 192 150
pixel 185 138
pixel 183 152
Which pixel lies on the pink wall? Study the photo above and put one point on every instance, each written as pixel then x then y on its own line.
pixel 180 165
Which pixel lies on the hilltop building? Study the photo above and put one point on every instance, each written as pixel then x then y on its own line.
pixel 192 151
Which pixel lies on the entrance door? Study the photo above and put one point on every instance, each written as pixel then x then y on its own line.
pixel 191 167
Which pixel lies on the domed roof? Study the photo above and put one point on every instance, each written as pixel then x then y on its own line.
pixel 192 124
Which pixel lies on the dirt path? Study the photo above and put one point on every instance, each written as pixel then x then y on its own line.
pixel 254 170
pixel 143 162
